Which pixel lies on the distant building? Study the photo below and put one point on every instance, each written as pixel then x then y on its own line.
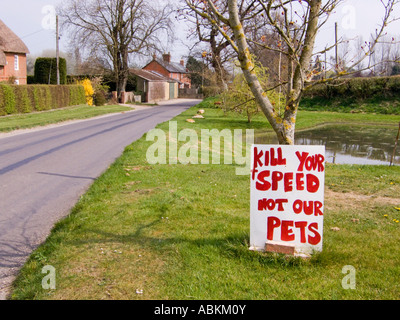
pixel 173 70
pixel 154 86
pixel 13 53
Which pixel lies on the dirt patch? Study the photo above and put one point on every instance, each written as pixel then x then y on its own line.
pixel 137 168
pixel 354 200
pixel 131 183
pixel 145 191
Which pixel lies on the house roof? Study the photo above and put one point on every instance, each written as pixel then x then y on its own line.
pixel 150 75
pixel 3 60
pixel 10 42
pixel 172 67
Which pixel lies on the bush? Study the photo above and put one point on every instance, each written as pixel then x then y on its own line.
pixel 7 104
pixel 359 88
pixel 100 91
pixel 99 98
pixel 45 67
pixel 211 91
pixel 77 95
pixel 87 85
pixel 1 102
pixel 47 98
pixel 30 79
pixel 36 98
pixel 28 98
pixel 22 100
pixel 239 98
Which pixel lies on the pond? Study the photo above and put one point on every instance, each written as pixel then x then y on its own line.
pixel 349 144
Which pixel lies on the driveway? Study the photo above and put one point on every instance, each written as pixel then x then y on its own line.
pixel 43 172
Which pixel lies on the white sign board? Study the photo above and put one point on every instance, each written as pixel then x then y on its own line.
pixel 287 197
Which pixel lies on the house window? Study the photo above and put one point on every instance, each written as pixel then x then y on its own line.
pixel 16 62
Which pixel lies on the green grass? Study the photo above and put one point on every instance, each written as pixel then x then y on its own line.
pixel 24 121
pixel 182 232
pixel 306 118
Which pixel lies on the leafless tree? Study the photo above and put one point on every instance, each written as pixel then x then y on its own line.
pixel 217 50
pixel 116 29
pixel 385 55
pixel 297 23
pixel 220 53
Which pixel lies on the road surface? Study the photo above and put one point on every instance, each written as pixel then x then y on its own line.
pixel 44 172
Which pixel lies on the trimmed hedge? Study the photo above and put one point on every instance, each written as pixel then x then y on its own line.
pixel 29 98
pixel 358 88
pixel 45 67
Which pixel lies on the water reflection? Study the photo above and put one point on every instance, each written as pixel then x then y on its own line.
pixel 349 144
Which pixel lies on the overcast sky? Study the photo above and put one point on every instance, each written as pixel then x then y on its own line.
pixel 29 19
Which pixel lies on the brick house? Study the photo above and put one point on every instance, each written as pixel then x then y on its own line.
pixel 13 53
pixel 173 70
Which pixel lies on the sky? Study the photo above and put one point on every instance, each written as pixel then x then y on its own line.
pixel 31 20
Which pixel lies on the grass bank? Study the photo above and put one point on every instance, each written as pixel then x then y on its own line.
pixel 377 105
pixel 30 120
pixel 179 231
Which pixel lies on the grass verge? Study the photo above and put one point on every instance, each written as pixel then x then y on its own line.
pixel 30 120
pixel 181 232
pixel 378 105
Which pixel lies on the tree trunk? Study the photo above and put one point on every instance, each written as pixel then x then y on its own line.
pixel 248 116
pixel 247 67
pixel 300 73
pixel 121 71
pixel 216 62
pixel 284 127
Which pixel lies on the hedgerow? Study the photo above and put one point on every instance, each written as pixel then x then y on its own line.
pixel 360 88
pixel 29 98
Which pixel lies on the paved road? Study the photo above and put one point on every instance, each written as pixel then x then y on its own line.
pixel 44 172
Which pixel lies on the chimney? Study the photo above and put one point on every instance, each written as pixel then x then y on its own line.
pixel 154 56
pixel 182 62
pixel 167 57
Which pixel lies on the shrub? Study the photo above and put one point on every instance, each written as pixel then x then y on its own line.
pixel 23 102
pixel 30 79
pixel 8 103
pixel 211 91
pixel 11 79
pixel 100 91
pixel 2 113
pixel 239 98
pixel 48 103
pixel 99 98
pixel 394 85
pixel 28 98
pixel 87 85
pixel 359 88
pixel 77 95
pixel 45 67
pixel 36 98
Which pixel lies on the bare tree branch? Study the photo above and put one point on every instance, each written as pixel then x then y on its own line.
pixel 116 28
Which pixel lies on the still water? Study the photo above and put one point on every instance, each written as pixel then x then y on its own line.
pixel 349 144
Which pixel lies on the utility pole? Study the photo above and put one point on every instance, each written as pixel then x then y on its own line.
pixel 279 76
pixel 58 51
pixel 336 48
